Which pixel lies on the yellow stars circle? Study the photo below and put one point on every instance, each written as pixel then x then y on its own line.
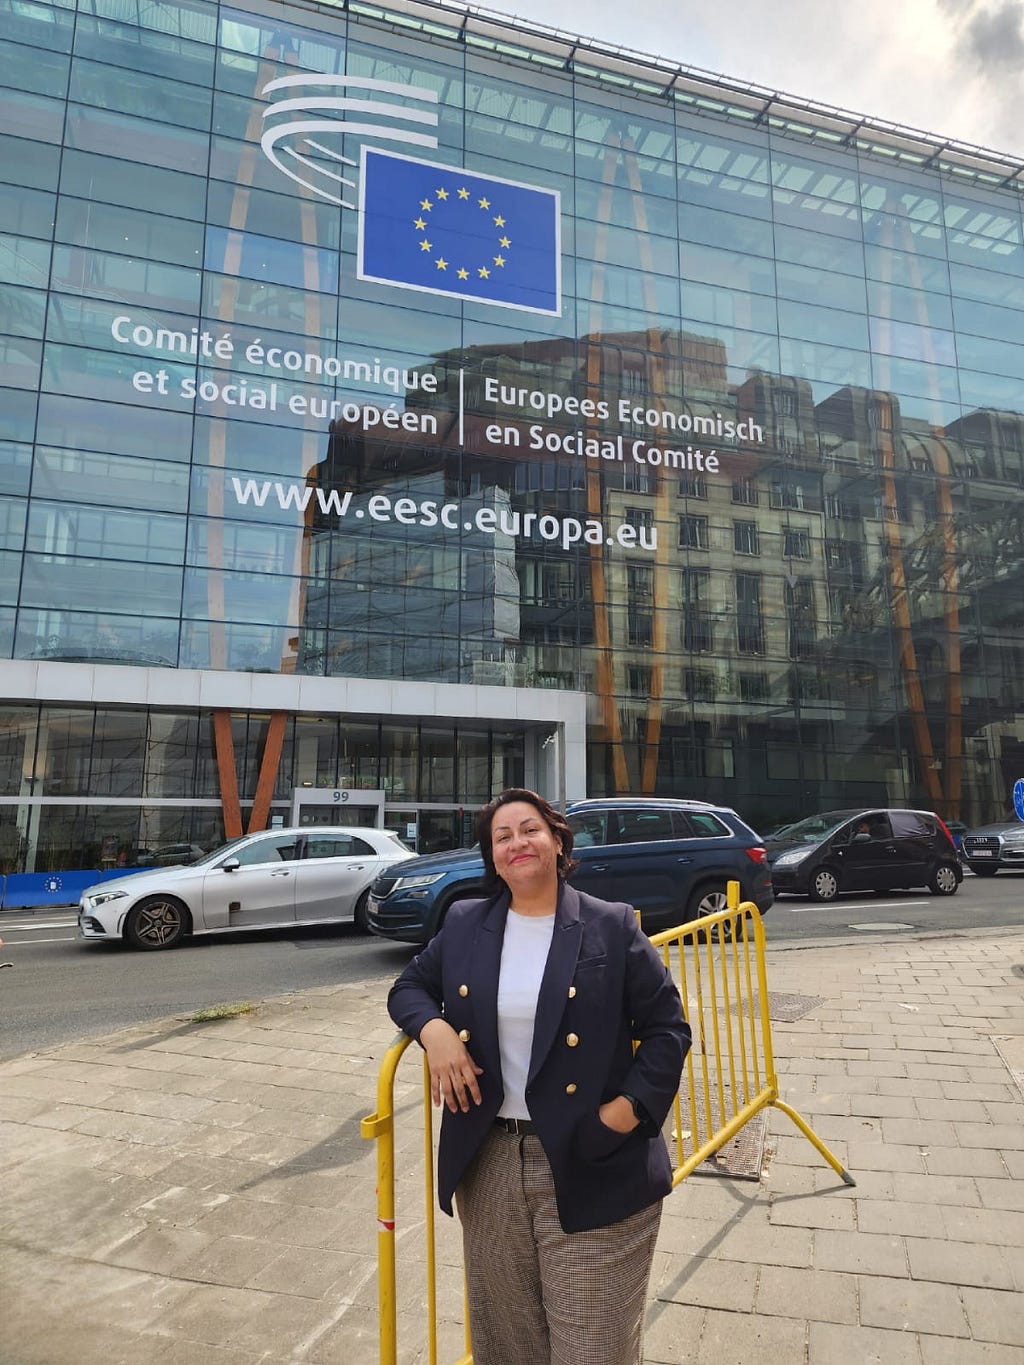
pixel 442 194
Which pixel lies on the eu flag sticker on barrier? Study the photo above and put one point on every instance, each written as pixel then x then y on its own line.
pixel 449 231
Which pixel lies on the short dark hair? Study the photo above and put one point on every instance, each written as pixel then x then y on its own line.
pixel 554 819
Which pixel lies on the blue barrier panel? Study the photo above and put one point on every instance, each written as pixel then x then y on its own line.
pixel 31 889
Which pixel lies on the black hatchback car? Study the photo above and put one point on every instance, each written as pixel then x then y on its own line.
pixel 864 850
pixel 670 859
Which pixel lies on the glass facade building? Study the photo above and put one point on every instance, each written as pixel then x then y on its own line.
pixel 399 400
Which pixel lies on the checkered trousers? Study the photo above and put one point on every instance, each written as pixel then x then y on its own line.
pixel 538 1295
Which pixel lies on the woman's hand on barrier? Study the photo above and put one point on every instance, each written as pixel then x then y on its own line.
pixel 453 1072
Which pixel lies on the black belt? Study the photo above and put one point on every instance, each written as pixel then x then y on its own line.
pixel 521 1127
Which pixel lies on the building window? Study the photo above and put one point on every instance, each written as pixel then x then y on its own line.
pixel 640 583
pixel 796 544
pixel 879 415
pixel 745 539
pixel 745 491
pixel 638 680
pixel 749 625
pixel 786 495
pixel 785 403
pixel 833 506
pixel 843 557
pixel 753 686
pixel 641 518
pixel 693 485
pixel 637 479
pixel 693 533
pixel 700 684
pixel 640 628
pixel 800 617
pixel 545 581
pixel 698 635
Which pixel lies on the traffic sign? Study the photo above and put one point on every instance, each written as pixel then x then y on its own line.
pixel 1018 797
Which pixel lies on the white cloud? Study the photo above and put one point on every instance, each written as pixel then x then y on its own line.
pixel 952 68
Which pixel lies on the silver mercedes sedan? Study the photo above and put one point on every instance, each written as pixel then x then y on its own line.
pixel 276 879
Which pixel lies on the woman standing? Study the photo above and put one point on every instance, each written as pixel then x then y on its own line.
pixel 527 1004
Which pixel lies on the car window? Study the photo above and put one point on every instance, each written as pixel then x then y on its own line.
pixel 879 827
pixel 816 827
pixel 588 828
pixel 700 825
pixel 640 826
pixel 280 849
pixel 338 846
pixel 907 824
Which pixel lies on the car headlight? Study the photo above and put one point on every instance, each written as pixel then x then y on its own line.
pixel 103 897
pixel 406 883
pixel 796 855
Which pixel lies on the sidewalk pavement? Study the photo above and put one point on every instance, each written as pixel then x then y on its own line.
pixel 199 1194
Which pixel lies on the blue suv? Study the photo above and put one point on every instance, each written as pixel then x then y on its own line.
pixel 670 859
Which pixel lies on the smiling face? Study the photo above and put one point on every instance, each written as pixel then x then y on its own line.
pixel 525 851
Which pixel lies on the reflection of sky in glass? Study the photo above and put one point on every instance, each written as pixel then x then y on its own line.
pixel 912 342
pixel 255 257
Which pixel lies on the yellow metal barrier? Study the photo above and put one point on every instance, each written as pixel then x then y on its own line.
pixel 729 1072
pixel 718 963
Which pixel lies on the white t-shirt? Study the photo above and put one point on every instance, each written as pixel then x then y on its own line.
pixel 524 954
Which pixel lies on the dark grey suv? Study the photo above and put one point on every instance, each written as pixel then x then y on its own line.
pixel 669 858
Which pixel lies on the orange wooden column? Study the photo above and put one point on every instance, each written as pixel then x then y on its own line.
pixel 227 773
pixel 269 764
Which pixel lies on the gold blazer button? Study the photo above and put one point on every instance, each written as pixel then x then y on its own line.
pixel 572 992
pixel 570 1089
pixel 463 990
pixel 571 1040
pixel 464 1034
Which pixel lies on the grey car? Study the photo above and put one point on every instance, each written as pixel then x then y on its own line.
pixel 276 879
pixel 990 847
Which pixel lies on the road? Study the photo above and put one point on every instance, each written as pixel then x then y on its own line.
pixel 981 903
pixel 61 989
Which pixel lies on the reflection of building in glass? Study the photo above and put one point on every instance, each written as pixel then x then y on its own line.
pixel 743 521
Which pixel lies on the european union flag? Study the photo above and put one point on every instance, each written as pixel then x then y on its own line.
pixel 449 231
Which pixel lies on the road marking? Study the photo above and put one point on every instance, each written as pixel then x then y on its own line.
pixel 34 924
pixel 30 942
pixel 856 905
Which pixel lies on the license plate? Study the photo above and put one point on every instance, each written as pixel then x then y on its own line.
pixel 980 853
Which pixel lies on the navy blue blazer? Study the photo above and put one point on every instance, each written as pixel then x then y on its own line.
pixel 603 986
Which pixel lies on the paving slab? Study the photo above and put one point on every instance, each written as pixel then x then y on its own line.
pixel 179 1193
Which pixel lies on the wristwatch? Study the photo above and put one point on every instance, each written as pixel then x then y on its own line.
pixel 639 1112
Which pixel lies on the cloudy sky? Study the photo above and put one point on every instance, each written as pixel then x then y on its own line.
pixel 953 68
